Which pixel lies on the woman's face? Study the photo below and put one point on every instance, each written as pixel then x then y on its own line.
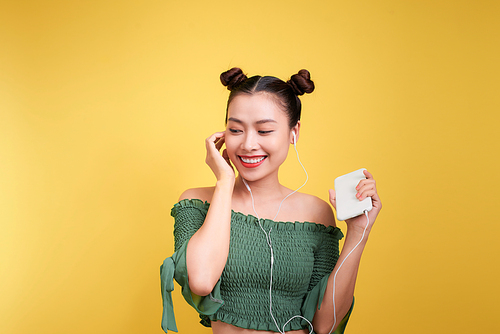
pixel 257 135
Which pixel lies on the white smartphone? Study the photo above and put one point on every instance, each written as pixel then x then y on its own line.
pixel 348 206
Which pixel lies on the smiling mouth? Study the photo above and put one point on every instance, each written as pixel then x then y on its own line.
pixel 251 162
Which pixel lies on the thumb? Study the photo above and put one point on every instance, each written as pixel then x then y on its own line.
pixel 333 198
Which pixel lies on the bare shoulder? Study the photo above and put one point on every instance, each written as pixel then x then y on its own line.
pixel 203 194
pixel 320 211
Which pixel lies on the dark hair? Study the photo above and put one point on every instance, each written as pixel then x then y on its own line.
pixel 285 93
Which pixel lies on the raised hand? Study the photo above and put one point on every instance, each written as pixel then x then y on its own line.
pixel 218 163
pixel 365 188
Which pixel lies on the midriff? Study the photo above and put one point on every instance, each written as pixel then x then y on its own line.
pixel 219 327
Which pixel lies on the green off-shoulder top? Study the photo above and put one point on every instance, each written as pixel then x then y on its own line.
pixel 304 256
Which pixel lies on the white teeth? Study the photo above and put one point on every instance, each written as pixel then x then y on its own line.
pixel 252 161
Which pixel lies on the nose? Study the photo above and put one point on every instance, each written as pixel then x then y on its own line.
pixel 250 143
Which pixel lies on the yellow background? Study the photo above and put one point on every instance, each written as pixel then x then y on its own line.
pixel 105 105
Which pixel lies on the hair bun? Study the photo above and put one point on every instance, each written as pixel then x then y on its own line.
pixel 301 83
pixel 232 78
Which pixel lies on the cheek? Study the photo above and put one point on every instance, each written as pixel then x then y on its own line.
pixel 278 149
pixel 280 143
pixel 231 145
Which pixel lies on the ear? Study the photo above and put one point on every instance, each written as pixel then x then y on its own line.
pixel 296 130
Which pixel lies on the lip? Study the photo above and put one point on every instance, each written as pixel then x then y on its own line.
pixel 252 165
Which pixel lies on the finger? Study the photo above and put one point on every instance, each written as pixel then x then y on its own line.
pixel 333 198
pixel 365 194
pixel 213 138
pixel 220 142
pixel 210 140
pixel 365 184
pixel 376 202
pixel 368 174
pixel 367 190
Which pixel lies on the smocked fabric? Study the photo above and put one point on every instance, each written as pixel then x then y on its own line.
pixel 305 254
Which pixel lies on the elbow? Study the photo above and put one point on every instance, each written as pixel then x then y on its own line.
pixel 201 286
pixel 324 328
pixel 200 290
pixel 201 280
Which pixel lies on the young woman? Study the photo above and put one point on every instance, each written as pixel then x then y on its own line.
pixel 251 255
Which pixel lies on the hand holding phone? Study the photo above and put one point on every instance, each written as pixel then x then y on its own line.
pixel 347 204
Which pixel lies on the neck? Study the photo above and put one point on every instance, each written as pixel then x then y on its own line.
pixel 266 188
pixel 266 205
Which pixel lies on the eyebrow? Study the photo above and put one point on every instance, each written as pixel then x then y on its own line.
pixel 262 121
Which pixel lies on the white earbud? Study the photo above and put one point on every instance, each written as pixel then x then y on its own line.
pixel 294 138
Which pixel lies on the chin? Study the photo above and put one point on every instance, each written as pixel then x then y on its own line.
pixel 254 172
pixel 252 175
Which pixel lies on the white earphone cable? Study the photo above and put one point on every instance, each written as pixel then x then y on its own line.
pixel 269 243
pixel 335 276
pixel 293 192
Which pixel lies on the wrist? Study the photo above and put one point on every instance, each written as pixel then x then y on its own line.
pixel 357 231
pixel 225 183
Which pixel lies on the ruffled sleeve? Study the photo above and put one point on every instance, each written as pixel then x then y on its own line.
pixel 325 258
pixel 189 216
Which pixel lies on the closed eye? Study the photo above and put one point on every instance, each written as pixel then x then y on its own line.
pixel 262 132
pixel 234 130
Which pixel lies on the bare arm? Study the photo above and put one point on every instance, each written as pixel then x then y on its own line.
pixel 345 279
pixel 208 248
